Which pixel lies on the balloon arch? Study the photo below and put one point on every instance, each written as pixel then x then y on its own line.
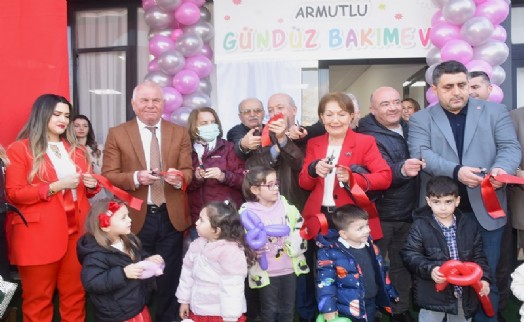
pixel 467 31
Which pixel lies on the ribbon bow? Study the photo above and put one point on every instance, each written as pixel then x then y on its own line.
pixel 104 219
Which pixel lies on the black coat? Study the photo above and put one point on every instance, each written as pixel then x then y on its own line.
pixel 399 200
pixel 426 248
pixel 114 297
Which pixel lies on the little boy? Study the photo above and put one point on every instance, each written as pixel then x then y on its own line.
pixel 439 233
pixel 351 277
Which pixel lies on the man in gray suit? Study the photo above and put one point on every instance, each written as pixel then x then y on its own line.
pixel 461 137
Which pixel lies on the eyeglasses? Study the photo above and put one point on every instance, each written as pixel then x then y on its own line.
pixel 271 186
pixel 250 111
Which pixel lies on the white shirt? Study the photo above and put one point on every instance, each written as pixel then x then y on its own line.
pixel 329 180
pixel 146 136
pixel 63 165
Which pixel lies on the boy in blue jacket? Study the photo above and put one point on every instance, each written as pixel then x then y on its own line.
pixel 351 277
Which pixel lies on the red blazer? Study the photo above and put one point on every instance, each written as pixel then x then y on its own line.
pixel 124 154
pixel 45 240
pixel 357 149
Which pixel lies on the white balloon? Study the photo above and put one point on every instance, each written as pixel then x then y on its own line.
pixel 458 11
pixel 433 56
pixel 498 76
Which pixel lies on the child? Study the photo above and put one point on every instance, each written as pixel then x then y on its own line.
pixel 285 259
pixel 211 285
pixel 440 233
pixel 351 276
pixel 517 286
pixel 109 254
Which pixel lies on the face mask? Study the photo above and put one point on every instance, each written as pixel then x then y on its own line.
pixel 208 132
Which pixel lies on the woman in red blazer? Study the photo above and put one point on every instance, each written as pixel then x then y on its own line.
pixel 49 181
pixel 340 146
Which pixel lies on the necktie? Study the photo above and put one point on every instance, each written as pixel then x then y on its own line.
pixel 157 188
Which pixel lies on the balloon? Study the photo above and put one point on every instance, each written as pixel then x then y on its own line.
pixel 153 66
pixel 173 99
pixel 429 73
pixel 157 18
pixel 433 56
pixel 189 44
pixel 180 116
pixel 166 116
pixel 197 99
pixel 479 65
pixel 431 97
pixel 187 13
pixel 160 44
pixel 176 34
pixel 204 86
pixel 479 1
pixel 458 50
pixel 171 62
pixel 168 5
pixel 205 15
pixel 186 81
pixel 200 64
pixel 458 11
pixel 499 34
pixel 443 32
pixel 164 32
pixel 495 10
pixel 206 51
pixel 159 78
pixel 439 3
pixel 496 95
pixel 202 28
pixel 437 18
pixel 321 318
pixel 146 4
pixel 498 76
pixel 198 3
pixel 477 30
pixel 493 52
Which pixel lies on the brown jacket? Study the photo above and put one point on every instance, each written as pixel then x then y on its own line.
pixel 124 154
pixel 516 193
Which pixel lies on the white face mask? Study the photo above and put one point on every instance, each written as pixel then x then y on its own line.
pixel 208 132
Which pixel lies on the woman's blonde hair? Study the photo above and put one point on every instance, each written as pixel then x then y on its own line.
pixel 132 244
pixel 3 156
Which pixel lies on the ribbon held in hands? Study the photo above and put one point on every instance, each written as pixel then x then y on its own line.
pixel 489 197
pixel 131 201
pixel 465 274
pixel 266 140
pixel 314 225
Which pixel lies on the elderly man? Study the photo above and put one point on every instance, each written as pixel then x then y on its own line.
pixel 463 138
pixel 479 85
pixel 151 159
pixel 395 204
pixel 246 135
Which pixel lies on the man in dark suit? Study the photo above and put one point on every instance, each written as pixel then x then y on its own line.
pixel 151 159
pixel 459 138
pixel 246 135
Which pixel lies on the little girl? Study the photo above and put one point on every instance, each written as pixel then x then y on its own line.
pixel 517 286
pixel 211 286
pixel 109 254
pixel 285 259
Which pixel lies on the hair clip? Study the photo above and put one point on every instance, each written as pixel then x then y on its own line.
pixel 104 219
pixel 227 203
pixel 246 172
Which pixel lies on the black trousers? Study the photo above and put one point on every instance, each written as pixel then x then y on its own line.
pixel 158 236
pixel 4 263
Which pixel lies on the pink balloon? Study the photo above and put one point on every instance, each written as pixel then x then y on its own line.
pixel 437 18
pixel 443 32
pixel 479 1
pixel 173 99
pixel 186 81
pixel 499 34
pixel 176 33
pixel 206 51
pixel 497 95
pixel 495 10
pixel 199 3
pixel 166 116
pixel 458 50
pixel 146 4
pixel 188 13
pixel 160 44
pixel 200 64
pixel 480 65
pixel 431 97
pixel 153 66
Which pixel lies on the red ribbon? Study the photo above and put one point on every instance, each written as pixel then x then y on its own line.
pixel 266 140
pixel 362 200
pixel 178 173
pixel 465 274
pixel 314 225
pixel 489 197
pixel 131 201
pixel 70 207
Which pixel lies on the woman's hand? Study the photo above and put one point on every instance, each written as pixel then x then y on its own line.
pixel 89 181
pixel 133 271
pixel 200 173
pixel 184 311
pixel 214 173
pixel 323 168
pixel 69 182
pixel 342 174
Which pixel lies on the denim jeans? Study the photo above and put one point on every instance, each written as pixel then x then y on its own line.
pixel 433 316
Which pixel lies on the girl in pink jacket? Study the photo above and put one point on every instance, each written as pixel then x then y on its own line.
pixel 211 285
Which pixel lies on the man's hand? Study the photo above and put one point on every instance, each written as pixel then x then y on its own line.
pixel 173 178
pixel 279 128
pixel 250 141
pixel 496 184
pixel 296 132
pixel 470 176
pixel 412 167
pixel 146 177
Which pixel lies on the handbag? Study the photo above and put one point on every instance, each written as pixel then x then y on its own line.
pixel 7 290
